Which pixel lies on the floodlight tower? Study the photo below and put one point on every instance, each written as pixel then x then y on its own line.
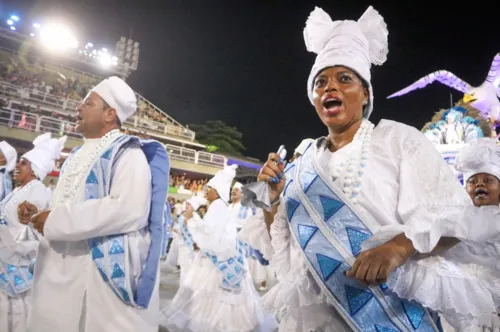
pixel 127 52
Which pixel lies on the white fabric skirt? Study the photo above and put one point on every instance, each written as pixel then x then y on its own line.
pixel 14 312
pixel 201 305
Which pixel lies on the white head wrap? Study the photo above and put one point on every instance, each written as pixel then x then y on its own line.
pixel 303 146
pixel 196 202
pixel 237 185
pixel 355 45
pixel 222 181
pixel 10 156
pixel 479 156
pixel 118 95
pixel 44 154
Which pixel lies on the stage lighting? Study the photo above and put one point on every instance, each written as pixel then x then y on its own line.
pixel 14 18
pixel 57 37
pixel 32 34
pixel 10 22
pixel 36 25
pixel 13 28
pixel 105 60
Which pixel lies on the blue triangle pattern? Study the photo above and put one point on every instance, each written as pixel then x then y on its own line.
pixel 117 272
pixel 103 275
pixel 384 329
pixel 107 154
pixel 96 253
pixel 126 298
pixel 3 277
pixel 357 298
pixel 330 206
pixel 291 206
pixel 415 313
pixel 305 234
pixel 92 178
pixel 11 268
pixel 18 280
pixel 116 248
pixel 307 179
pixel 355 239
pixel 327 265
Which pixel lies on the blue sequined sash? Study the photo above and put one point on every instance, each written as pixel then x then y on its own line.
pixel 15 280
pixel 329 233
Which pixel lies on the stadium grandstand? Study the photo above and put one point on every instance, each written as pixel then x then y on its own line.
pixel 44 76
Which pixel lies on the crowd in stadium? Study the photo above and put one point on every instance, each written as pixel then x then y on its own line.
pixel 41 81
pixel 184 183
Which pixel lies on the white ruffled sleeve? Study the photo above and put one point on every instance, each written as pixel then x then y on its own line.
pixel 431 200
pixel 280 241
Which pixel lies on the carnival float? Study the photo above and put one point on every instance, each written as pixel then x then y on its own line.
pixel 476 115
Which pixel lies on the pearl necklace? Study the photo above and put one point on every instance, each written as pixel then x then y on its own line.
pixel 11 200
pixel 352 168
pixel 76 169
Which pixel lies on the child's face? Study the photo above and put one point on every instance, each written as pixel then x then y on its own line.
pixel 484 189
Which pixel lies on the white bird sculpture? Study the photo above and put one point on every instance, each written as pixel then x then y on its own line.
pixel 484 97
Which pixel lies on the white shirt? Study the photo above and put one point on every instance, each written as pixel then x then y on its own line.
pixel 69 294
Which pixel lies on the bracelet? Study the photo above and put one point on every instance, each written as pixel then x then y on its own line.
pixel 276 202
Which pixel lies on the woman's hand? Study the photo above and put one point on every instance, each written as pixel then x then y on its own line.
pixel 374 266
pixel 272 173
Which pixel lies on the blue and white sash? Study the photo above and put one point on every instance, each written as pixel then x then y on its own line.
pixel 233 269
pixel 329 232
pixel 111 253
pixel 15 280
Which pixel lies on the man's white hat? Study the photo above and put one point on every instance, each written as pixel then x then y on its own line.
pixel 479 156
pixel 222 181
pixel 44 154
pixel 118 95
pixel 10 156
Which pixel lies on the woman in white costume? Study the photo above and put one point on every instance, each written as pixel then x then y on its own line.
pixel 218 293
pixel 385 183
pixel 8 159
pixel 15 280
pixel 186 251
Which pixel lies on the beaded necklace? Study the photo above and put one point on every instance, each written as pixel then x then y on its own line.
pixel 352 168
pixel 77 169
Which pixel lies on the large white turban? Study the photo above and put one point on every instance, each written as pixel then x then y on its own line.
pixel 222 181
pixel 44 154
pixel 479 156
pixel 10 156
pixel 355 45
pixel 118 95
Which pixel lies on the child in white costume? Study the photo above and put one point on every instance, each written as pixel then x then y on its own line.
pixel 471 269
pixel 210 298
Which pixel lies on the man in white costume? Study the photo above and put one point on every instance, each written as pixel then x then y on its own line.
pixel 97 268
pixel 18 243
pixel 8 159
